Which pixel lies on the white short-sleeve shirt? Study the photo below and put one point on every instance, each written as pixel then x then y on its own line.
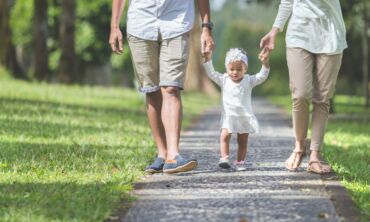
pixel 151 19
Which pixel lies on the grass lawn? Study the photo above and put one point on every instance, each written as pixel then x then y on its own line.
pixel 347 146
pixel 71 153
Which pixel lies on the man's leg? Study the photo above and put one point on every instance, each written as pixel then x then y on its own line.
pixel 153 108
pixel 145 57
pixel 173 61
pixel 171 118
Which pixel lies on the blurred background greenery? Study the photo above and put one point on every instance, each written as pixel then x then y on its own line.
pixel 59 144
pixel 67 42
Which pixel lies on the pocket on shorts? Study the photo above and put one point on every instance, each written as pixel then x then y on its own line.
pixel 180 46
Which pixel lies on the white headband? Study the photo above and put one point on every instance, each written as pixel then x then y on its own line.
pixel 236 54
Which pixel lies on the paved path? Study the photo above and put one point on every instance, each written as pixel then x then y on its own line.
pixel 265 192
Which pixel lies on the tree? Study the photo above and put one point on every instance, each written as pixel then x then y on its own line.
pixel 40 34
pixel 68 58
pixel 365 52
pixel 8 56
pixel 196 78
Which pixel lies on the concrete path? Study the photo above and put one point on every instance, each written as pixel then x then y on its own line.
pixel 265 192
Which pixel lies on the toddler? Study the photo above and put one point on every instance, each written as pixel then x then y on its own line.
pixel 237 114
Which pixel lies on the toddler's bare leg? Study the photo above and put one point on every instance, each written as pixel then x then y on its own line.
pixel 242 146
pixel 225 137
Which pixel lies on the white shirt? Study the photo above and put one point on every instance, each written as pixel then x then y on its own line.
pixel 237 113
pixel 151 19
pixel 315 25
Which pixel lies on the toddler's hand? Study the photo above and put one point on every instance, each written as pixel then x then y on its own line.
pixel 264 57
pixel 207 56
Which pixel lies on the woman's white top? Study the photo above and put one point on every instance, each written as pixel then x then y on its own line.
pixel 315 25
pixel 237 113
pixel 165 19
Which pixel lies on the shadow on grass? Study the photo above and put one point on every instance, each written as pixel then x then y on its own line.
pixel 57 201
pixel 34 128
pixel 26 157
pixel 25 106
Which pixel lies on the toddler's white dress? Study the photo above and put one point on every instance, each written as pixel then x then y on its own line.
pixel 237 114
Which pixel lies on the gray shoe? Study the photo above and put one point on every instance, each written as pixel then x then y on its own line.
pixel 156 166
pixel 239 166
pixel 179 164
pixel 224 163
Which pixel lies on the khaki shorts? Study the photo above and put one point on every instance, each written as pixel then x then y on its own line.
pixel 159 63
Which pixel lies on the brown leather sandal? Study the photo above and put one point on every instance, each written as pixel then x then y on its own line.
pixel 310 169
pixel 297 154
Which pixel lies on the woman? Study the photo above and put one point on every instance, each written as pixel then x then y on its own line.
pixel 315 41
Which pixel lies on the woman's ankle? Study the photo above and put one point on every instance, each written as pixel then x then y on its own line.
pixel 314 155
pixel 300 145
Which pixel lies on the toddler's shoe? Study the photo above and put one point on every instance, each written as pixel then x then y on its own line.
pixel 179 164
pixel 156 166
pixel 224 162
pixel 239 165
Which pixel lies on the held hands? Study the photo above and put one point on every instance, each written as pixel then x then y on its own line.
pixel 207 44
pixel 264 57
pixel 207 57
pixel 115 38
pixel 268 41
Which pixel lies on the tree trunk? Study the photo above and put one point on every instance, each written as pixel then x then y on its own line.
pixel 365 54
pixel 196 78
pixel 67 64
pixel 8 56
pixel 40 33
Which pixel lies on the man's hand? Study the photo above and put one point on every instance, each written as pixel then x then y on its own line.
pixel 115 38
pixel 207 43
pixel 268 41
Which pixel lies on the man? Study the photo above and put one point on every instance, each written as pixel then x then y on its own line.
pixel 158 37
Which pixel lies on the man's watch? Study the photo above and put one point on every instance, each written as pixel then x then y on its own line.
pixel 208 25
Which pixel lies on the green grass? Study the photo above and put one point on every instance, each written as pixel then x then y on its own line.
pixel 71 153
pixel 347 146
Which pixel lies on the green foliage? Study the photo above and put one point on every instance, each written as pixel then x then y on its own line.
pixel 92 30
pixel 70 153
pixel 4 74
pixel 21 22
pixel 244 27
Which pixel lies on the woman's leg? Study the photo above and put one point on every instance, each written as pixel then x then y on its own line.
pixel 300 64
pixel 225 137
pixel 242 146
pixel 327 68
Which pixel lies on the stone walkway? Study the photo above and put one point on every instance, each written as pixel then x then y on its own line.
pixel 265 192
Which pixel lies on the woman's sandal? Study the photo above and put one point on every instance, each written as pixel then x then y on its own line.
pixel 297 154
pixel 310 169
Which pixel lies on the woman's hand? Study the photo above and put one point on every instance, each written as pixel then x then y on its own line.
pixel 268 41
pixel 264 57
pixel 115 38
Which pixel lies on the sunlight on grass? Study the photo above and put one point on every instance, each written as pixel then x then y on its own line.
pixel 71 153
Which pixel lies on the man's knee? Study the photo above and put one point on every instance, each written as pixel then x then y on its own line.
pixel 173 90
